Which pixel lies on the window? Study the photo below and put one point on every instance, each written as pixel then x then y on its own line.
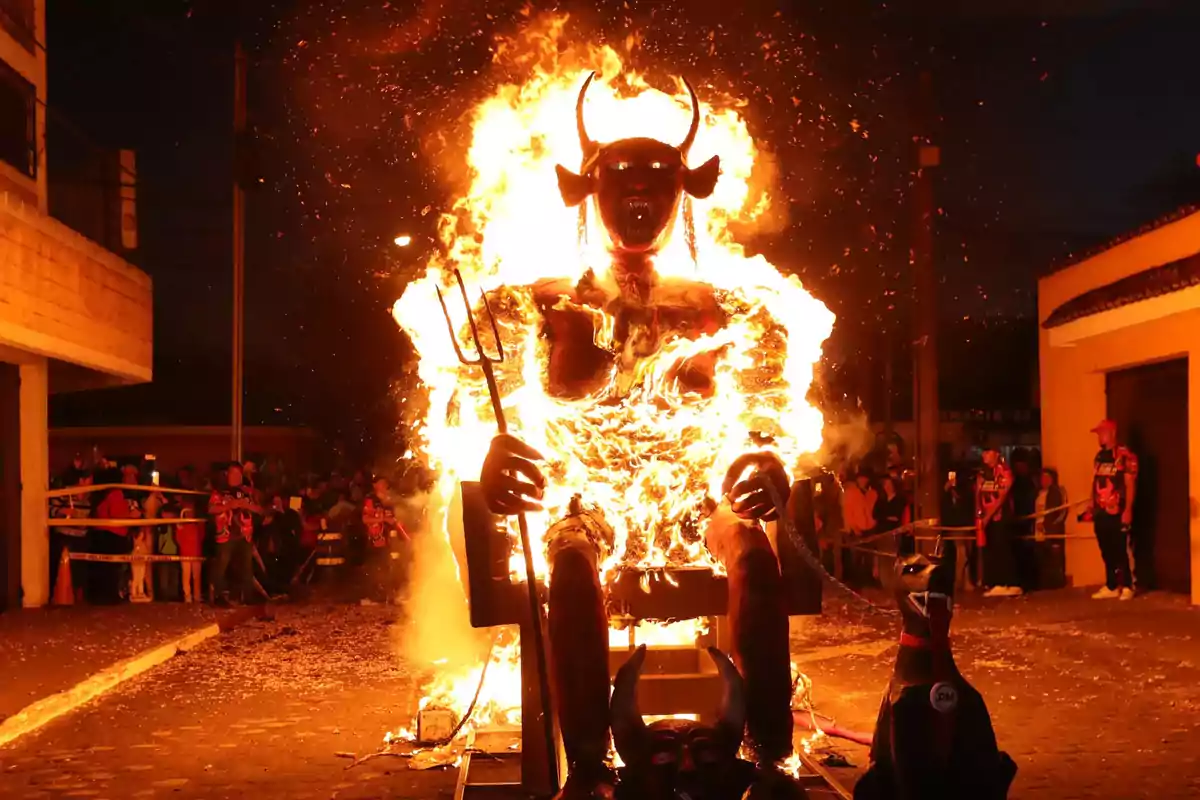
pixel 18 121
pixel 17 18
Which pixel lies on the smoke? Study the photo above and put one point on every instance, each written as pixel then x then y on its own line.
pixel 846 438
pixel 437 626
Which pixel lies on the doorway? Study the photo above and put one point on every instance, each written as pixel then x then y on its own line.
pixel 1150 406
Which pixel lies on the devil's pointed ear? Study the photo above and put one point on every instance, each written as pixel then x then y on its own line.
pixel 573 188
pixel 701 181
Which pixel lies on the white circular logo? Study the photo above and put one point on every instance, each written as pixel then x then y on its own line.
pixel 943 697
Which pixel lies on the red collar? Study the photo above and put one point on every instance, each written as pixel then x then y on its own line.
pixel 920 642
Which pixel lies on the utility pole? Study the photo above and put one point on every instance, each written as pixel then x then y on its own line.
pixel 926 412
pixel 239 246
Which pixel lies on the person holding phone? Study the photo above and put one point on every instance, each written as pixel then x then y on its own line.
pixel 1114 487
pixel 233 510
pixel 993 525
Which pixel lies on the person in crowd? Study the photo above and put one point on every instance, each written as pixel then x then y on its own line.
pixel 1114 489
pixel 167 573
pixel 142 505
pixel 358 487
pixel 250 475
pixel 1051 560
pixel 108 579
pixel 278 543
pixel 993 523
pixel 233 510
pixel 1024 495
pixel 958 511
pixel 827 510
pixel 70 538
pixel 892 512
pixel 384 535
pixel 341 514
pixel 189 538
pixel 858 512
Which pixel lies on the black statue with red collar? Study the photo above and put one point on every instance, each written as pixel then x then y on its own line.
pixel 933 737
pixel 638 186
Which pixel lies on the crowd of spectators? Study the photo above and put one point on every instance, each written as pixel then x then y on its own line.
pixel 876 499
pixel 257 532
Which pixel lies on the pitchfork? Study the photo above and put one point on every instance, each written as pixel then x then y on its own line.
pixel 486 362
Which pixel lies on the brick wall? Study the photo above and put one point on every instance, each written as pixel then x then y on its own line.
pixel 65 297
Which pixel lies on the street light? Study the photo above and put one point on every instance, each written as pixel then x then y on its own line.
pixel 403 240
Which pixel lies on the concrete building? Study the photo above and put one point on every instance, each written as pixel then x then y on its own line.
pixel 73 314
pixel 1120 339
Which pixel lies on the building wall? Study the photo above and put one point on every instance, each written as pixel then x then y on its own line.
pixel 64 297
pixel 67 306
pixel 30 63
pixel 1073 396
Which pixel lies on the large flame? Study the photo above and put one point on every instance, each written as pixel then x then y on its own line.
pixel 651 454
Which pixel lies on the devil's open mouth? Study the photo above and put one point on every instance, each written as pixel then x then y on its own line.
pixel 638 218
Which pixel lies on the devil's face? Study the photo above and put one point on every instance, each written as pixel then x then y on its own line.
pixel 685 758
pixel 924 593
pixel 638 186
pixel 637 183
pixel 673 757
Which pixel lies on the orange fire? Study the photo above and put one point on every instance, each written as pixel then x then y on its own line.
pixel 651 459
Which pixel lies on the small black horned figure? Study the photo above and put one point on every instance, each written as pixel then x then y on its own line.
pixel 933 738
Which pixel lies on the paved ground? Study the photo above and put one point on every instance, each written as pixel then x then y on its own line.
pixel 1093 701
pixel 261 710
pixel 45 651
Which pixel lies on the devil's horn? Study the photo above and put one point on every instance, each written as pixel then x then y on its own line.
pixel 732 716
pixel 585 142
pixel 628 728
pixel 691 136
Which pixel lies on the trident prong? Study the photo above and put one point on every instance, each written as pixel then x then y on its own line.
pixel 487 306
pixel 481 359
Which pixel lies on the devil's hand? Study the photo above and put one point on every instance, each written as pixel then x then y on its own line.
pixel 511 481
pixel 747 481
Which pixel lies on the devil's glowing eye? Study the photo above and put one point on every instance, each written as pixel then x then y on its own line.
pixel 658 165
pixel 621 166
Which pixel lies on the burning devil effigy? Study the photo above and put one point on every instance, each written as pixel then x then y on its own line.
pixel 649 379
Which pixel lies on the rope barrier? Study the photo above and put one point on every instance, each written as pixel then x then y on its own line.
pixel 126 559
pixel 102 487
pixel 147 522
pixel 930 524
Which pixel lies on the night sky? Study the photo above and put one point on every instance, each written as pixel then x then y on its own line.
pixel 1062 124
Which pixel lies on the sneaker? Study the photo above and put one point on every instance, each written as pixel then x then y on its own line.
pixel 1126 593
pixel 1013 591
pixel 1106 593
pixel 996 591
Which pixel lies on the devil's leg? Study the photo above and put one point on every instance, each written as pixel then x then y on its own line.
pixel 759 626
pixel 579 647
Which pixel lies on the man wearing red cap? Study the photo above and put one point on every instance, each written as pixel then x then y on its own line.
pixel 1114 486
